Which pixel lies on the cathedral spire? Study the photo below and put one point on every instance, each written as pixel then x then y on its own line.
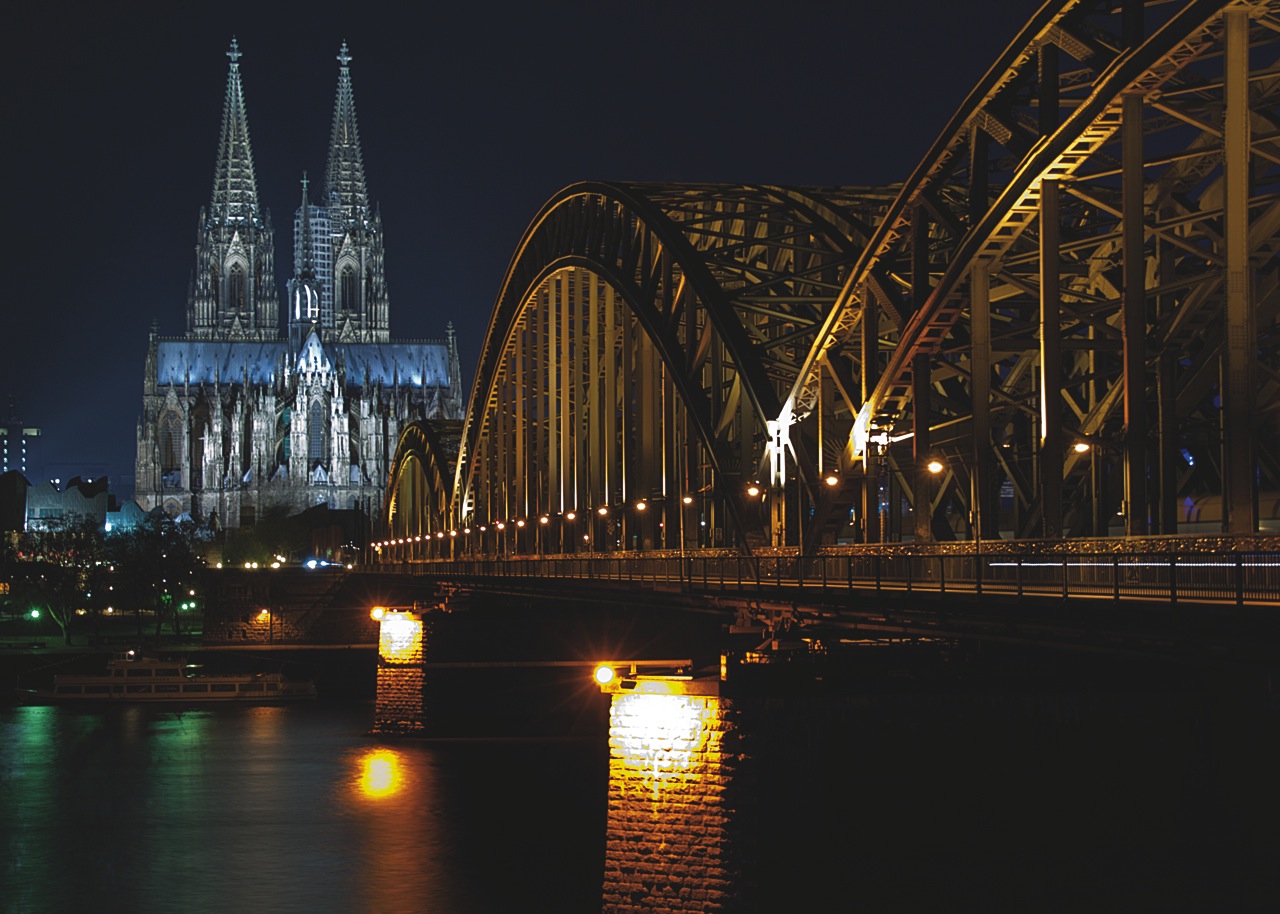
pixel 344 177
pixel 235 189
pixel 233 291
pixel 306 265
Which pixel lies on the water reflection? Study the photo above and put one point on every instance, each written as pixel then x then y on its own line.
pixel 381 774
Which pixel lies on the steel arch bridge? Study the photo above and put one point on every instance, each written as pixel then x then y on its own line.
pixel 1065 320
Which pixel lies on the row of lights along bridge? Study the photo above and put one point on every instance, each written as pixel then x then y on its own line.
pixel 448 538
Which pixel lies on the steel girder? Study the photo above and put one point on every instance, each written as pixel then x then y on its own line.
pixel 641 348
pixel 1087 258
pixel 420 483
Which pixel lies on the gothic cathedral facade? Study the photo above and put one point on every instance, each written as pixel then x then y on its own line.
pixel 238 416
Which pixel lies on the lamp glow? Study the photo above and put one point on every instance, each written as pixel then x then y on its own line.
pixel 604 674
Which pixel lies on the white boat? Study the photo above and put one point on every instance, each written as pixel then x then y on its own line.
pixel 134 677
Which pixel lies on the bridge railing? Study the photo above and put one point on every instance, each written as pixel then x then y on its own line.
pixel 1221 578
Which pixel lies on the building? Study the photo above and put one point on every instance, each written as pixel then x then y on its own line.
pixel 239 416
pixel 20 446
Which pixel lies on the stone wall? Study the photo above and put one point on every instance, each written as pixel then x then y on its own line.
pixel 399 708
pixel 675 827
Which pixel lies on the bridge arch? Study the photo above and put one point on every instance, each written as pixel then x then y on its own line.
pixel 420 484
pixel 1069 311
pixel 1076 292
pixel 637 357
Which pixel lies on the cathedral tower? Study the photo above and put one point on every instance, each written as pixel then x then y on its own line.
pixel 238 419
pixel 356 288
pixel 233 291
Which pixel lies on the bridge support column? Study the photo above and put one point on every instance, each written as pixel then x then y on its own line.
pixel 399 708
pixel 1239 496
pixel 1050 457
pixel 983 502
pixel 1133 320
pixel 673 769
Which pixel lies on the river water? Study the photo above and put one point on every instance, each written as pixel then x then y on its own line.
pixel 1077 800
pixel 289 808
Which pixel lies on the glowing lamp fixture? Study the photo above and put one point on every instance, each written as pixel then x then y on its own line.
pixel 602 510
pixel 453 532
pixel 934 466
pixel 544 519
pixel 501 526
pixel 378 613
pixel 466 530
pixel 604 674
pixel 688 499
pixel 570 516
pixel 640 506
pixel 753 490
pixel 1080 447
pixel 440 535
pixel 520 522
pixel 831 479
pixel 35 613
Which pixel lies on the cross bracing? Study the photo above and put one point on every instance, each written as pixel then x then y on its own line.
pixel 1062 323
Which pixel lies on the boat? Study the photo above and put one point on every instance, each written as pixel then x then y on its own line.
pixel 135 677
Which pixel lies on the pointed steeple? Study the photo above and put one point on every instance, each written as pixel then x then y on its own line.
pixel 344 177
pixel 306 262
pixel 233 290
pixel 235 188
pixel 304 295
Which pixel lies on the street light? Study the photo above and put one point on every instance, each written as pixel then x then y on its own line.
pixel 934 466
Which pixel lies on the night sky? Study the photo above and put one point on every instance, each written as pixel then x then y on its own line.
pixel 471 116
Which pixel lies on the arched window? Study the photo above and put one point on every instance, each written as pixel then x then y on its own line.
pixel 347 300
pixel 283 445
pixel 235 288
pixel 170 438
pixel 316 436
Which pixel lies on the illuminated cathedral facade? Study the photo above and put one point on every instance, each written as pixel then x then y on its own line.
pixel 242 413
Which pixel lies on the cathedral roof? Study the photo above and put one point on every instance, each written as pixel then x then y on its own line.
pixel 191 361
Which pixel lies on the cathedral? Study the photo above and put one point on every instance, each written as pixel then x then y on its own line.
pixel 242 414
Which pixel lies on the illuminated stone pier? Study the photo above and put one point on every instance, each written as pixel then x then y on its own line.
pixel 399 708
pixel 675 769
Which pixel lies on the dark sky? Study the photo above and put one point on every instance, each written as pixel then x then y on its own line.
pixel 471 116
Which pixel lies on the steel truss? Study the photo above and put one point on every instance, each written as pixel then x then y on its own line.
pixel 421 481
pixel 638 357
pixel 1070 310
pixel 1072 304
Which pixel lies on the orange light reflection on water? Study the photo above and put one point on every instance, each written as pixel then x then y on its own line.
pixel 382 774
